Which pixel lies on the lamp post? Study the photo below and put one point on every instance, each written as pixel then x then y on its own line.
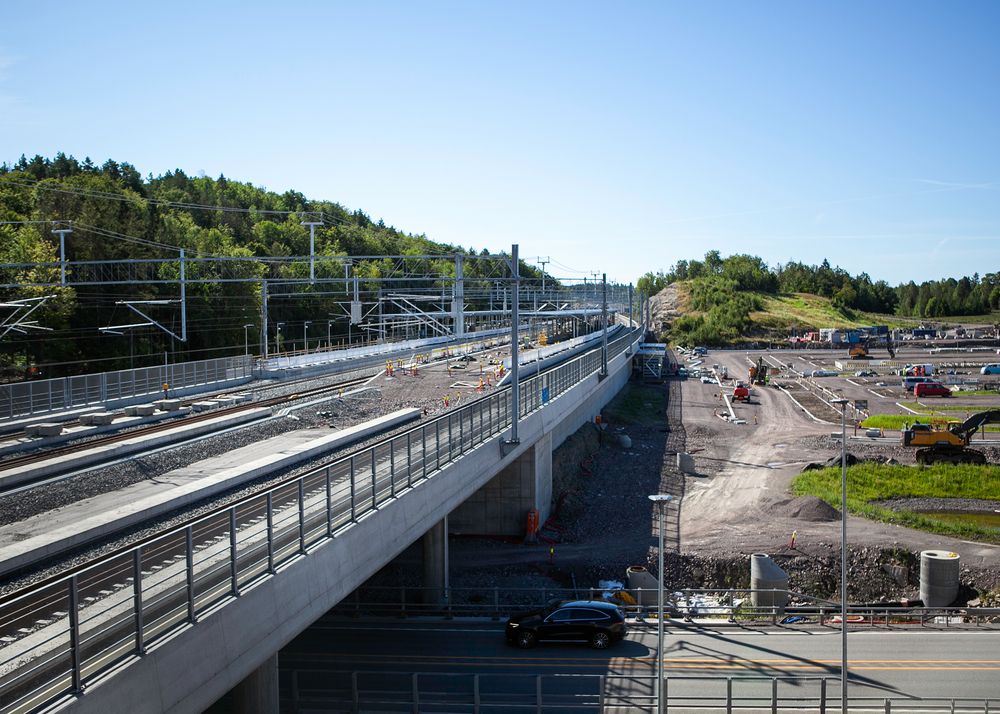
pixel 246 341
pixel 277 337
pixel 843 552
pixel 329 345
pixel 661 500
pixel 305 336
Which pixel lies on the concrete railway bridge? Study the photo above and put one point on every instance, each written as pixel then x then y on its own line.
pixel 176 622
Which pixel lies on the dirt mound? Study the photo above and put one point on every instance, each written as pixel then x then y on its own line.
pixel 806 508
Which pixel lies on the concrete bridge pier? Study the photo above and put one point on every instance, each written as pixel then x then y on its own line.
pixel 501 506
pixel 435 545
pixel 258 693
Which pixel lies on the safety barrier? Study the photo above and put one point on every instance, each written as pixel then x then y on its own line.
pixel 22 399
pixel 343 691
pixel 57 636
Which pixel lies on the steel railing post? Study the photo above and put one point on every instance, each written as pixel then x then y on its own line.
pixel 302 516
pixel 137 598
pixel 233 571
pixel 270 533
pixel 600 694
pixel 409 461
pixel 355 696
pixel 392 468
pixel 374 485
pixel 423 440
pixel 475 694
pixel 888 706
pixel 354 512
pixel 74 635
pixel 774 695
pixel 189 557
pixel 822 695
pixel 538 694
pixel 329 505
pixel 416 694
pixel 729 695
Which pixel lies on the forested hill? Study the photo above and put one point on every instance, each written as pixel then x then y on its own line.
pixel 117 214
pixel 948 297
pixel 727 300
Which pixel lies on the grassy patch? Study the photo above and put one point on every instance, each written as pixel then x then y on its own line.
pixel 900 421
pixel 874 482
pixel 638 404
pixel 894 421
pixel 802 311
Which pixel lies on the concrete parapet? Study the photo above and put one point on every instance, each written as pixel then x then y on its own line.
pixel 204 406
pixel 140 410
pixel 167 405
pixel 97 418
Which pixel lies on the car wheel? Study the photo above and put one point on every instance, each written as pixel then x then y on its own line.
pixel 526 639
pixel 600 640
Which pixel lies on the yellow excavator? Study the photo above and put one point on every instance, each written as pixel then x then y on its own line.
pixel 949 444
pixel 758 372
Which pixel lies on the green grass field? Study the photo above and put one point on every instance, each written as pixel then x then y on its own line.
pixel 895 422
pixel 874 482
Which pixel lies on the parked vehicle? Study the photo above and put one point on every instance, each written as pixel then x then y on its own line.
pixel 597 622
pixel 910 382
pixel 930 389
pixel 823 373
pixel 866 373
pixel 991 368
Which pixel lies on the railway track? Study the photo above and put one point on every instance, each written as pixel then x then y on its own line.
pixel 47 454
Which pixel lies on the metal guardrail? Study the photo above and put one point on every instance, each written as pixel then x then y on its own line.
pixel 57 637
pixel 355 692
pixel 733 605
pixel 22 399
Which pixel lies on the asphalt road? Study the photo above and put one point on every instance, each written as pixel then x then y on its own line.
pixel 901 664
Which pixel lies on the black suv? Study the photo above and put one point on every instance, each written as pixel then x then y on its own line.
pixel 595 621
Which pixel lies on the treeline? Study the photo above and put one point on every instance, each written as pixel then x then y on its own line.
pixel 745 273
pixel 117 215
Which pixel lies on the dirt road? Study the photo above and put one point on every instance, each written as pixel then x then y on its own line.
pixel 740 500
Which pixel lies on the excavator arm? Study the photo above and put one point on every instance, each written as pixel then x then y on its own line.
pixel 967 428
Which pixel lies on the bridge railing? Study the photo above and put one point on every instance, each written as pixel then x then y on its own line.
pixel 20 399
pixel 718 605
pixel 359 691
pixel 57 636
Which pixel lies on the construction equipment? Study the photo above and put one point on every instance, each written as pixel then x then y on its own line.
pixel 758 372
pixel 948 443
pixel 741 393
pixel 859 350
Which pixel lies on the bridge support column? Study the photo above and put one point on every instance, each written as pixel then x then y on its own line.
pixel 435 544
pixel 501 506
pixel 258 693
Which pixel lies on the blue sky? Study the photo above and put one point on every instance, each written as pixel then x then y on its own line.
pixel 610 137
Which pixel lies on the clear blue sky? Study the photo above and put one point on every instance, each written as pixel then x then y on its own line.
pixel 615 137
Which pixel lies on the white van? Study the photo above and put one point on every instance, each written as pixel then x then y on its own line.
pixel 910 382
pixel 990 369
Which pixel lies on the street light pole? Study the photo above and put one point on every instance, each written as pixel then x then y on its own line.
pixel 843 552
pixel 277 336
pixel 661 500
pixel 305 336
